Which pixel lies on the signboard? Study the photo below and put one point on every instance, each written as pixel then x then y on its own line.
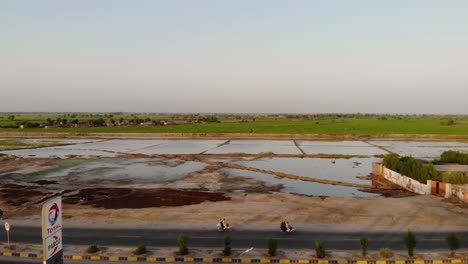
pixel 52 231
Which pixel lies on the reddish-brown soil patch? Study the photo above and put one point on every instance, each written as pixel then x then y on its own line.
pixel 17 186
pixel 44 182
pixel 17 195
pixel 117 198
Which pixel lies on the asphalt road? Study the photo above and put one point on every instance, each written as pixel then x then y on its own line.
pixel 240 238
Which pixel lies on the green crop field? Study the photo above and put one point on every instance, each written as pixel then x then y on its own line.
pixel 354 126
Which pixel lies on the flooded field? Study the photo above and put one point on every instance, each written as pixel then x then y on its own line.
pixel 346 170
pixel 420 149
pixel 299 187
pixel 114 147
pixel 144 163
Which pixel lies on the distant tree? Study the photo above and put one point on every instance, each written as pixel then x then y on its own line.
pixel 11 117
pixel 58 121
pixel 97 122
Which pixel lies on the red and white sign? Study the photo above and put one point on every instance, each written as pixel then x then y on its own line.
pixel 53 244
pixel 52 227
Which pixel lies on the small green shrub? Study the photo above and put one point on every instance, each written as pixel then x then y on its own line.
pixel 410 242
pixel 92 249
pixel 452 156
pixel 364 242
pixel 227 246
pixel 141 249
pixel 386 253
pixel 272 246
pixel 183 240
pixel 454 242
pixel 320 249
pixel 455 177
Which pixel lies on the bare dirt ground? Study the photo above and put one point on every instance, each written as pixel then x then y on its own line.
pixel 202 197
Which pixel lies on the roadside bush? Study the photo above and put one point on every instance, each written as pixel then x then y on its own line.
pixel 183 240
pixel 410 242
pixel 364 242
pixel 453 242
pixel 272 246
pixel 141 249
pixel 92 249
pixel 452 156
pixel 319 249
pixel 455 177
pixel 386 253
pixel 227 246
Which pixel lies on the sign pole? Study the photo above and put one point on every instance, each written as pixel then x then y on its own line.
pixel 7 228
pixel 52 231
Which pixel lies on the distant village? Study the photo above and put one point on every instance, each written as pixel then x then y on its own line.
pixel 72 121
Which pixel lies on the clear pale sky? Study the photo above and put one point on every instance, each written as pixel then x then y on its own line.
pixel 395 56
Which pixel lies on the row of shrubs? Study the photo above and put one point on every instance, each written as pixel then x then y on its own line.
pixel 409 239
pixel 452 156
pixel 422 172
pixel 411 167
pixel 455 177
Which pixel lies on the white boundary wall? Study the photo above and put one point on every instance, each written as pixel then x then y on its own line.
pixel 406 182
pixel 459 191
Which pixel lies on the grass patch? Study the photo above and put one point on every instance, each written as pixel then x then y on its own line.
pixel 352 126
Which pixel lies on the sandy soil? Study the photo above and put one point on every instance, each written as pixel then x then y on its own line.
pixel 201 198
pixel 264 211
